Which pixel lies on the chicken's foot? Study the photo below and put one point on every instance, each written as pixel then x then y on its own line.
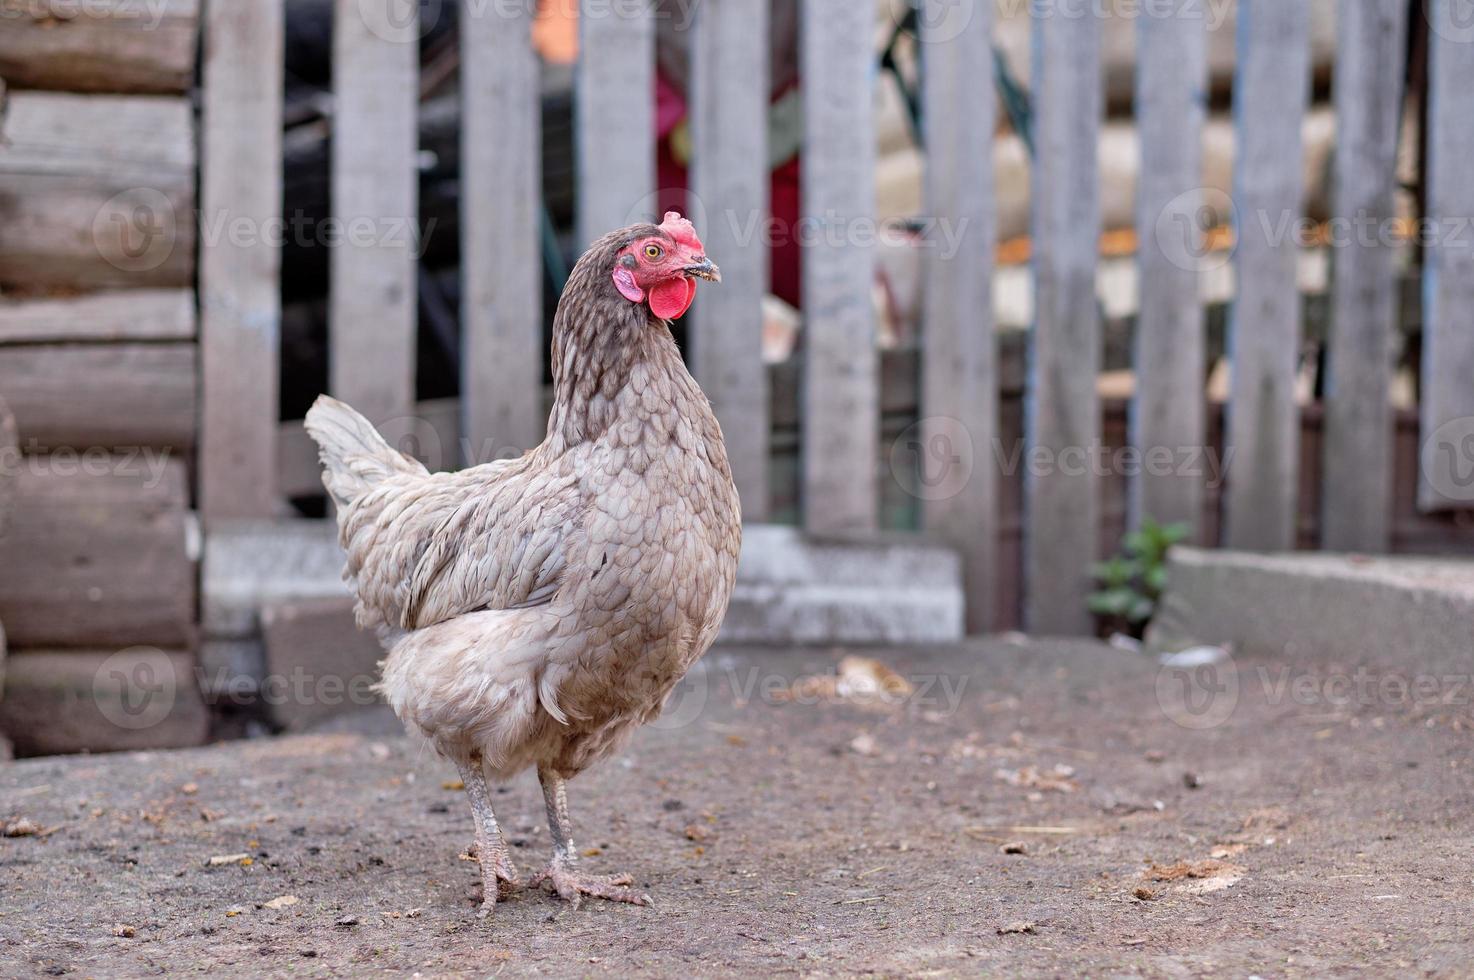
pixel 570 883
pixel 490 850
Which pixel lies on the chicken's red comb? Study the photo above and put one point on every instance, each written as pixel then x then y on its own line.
pixel 683 231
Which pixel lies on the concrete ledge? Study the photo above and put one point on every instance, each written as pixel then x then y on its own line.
pixel 1404 612
pixel 790 590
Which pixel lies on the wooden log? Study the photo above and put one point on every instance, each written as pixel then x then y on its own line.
pixel 99 191
pixel 317 657
pixel 99 554
pixel 1167 413
pixel 729 187
pixel 113 315
pixel 1448 341
pixel 104 700
pixel 240 278
pixel 107 396
pixel 1272 89
pixel 957 474
pixel 840 386
pixel 134 46
pixel 1357 498
pixel 615 133
pixel 1063 412
pixel 501 176
pixel 372 314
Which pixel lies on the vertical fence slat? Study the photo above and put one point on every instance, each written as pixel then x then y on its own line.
pixel 729 187
pixel 959 380
pixel 1357 497
pixel 1271 91
pixel 1167 413
pixel 1063 412
pixel 841 403
pixel 240 284
pixel 372 299
pixel 1448 288
pixel 615 116
pixel 501 153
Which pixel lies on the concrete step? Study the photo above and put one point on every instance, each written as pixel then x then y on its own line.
pixel 1407 613
pixel 790 590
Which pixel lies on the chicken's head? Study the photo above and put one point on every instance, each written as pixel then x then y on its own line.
pixel 662 268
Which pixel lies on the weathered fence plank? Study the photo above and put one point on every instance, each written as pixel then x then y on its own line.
pixel 372 307
pixel 729 188
pixel 1063 412
pixel 841 415
pixel 959 370
pixel 501 181
pixel 240 278
pixel 1448 340
pixel 1167 413
pixel 1357 499
pixel 615 116
pixel 1271 91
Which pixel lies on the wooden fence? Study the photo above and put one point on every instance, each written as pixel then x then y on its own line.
pixel 372 308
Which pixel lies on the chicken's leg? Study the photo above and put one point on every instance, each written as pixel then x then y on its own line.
pixel 570 883
pixel 491 850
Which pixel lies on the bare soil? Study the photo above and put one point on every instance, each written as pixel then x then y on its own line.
pixel 1051 820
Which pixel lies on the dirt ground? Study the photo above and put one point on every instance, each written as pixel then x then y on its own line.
pixel 1030 809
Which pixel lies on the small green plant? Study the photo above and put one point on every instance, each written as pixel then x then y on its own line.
pixel 1132 581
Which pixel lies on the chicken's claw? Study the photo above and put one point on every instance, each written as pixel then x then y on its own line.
pixel 572 885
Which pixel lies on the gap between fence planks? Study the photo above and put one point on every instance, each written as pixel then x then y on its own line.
pixel 615 117
pixel 841 415
pixel 1167 413
pixel 729 197
pixel 1357 500
pixel 240 280
pixel 1448 339
pixel 1063 412
pixel 372 300
pixel 501 180
pixel 1271 91
pixel 959 365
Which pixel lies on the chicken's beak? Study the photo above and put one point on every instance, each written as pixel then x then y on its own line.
pixel 705 269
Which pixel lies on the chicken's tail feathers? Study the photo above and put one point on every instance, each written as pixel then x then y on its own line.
pixel 355 458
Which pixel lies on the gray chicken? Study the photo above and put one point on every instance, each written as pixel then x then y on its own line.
pixel 536 611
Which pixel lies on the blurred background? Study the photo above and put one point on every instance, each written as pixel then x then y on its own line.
pixel 1011 288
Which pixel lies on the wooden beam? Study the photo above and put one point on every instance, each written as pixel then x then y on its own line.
pixel 99 191
pixel 100 46
pixel 501 178
pixel 372 296
pixel 240 277
pixel 959 366
pixel 1271 91
pixel 1063 412
pixel 113 396
pixel 729 198
pixel 841 415
pixel 615 117
pixel 1448 340
pixel 1357 499
pixel 125 314
pixel 99 553
pixel 1167 413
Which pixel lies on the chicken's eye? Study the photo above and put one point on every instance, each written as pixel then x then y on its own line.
pixel 653 252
